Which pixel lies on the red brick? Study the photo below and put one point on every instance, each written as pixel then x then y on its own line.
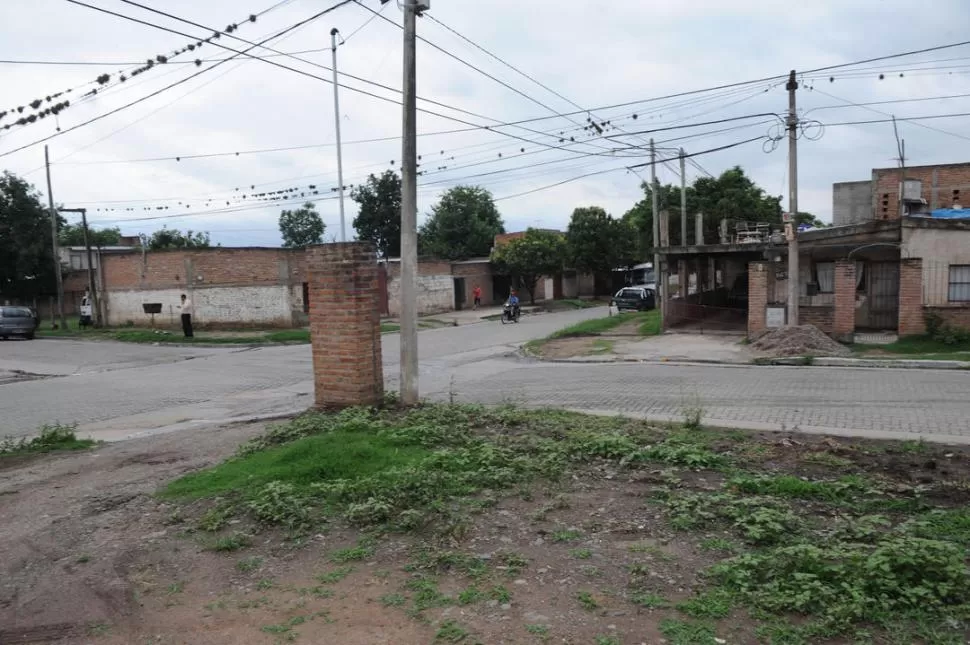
pixel 843 319
pixel 757 296
pixel 911 297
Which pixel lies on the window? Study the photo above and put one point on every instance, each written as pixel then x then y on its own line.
pixel 825 276
pixel 959 283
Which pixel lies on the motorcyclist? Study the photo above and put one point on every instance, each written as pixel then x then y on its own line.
pixel 514 303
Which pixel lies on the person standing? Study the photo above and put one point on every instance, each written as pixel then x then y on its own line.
pixel 477 295
pixel 187 312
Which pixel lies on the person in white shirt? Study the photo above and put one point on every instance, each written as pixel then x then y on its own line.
pixel 187 316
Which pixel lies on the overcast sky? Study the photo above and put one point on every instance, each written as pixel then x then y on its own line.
pixel 595 54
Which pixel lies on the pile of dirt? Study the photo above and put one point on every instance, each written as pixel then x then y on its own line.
pixel 803 340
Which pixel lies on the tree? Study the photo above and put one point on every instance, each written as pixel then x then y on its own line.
pixel 599 243
pixel 302 227
pixel 26 250
pixel 528 258
pixel 463 224
pixel 379 213
pixel 73 235
pixel 170 238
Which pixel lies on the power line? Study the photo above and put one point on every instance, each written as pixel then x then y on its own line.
pixel 170 86
pixel 910 118
pixel 887 57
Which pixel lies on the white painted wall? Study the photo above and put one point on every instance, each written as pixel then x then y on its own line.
pixel 436 293
pixel 256 305
pixel 570 286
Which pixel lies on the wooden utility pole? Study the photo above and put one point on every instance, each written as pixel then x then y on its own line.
pixel 409 214
pixel 793 277
pixel 55 246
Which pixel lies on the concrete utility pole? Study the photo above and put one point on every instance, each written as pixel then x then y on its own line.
pixel 683 199
pixel 57 255
pixel 409 214
pixel 655 207
pixel 793 277
pixel 901 149
pixel 92 288
pixel 336 117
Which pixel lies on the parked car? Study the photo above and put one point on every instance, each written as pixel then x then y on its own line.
pixel 639 298
pixel 17 321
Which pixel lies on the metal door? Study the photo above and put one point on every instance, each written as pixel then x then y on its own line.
pixel 883 295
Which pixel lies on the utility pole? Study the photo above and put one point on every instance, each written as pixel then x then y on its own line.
pixel 683 199
pixel 655 207
pixel 336 116
pixel 57 255
pixel 409 213
pixel 901 149
pixel 92 288
pixel 793 275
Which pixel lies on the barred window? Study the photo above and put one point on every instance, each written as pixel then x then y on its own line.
pixel 959 283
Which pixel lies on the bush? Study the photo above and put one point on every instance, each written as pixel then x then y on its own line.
pixel 943 332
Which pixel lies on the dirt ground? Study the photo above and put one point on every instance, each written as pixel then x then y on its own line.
pixel 89 555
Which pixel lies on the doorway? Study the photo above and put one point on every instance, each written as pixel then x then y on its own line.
pixel 459 294
pixel 884 295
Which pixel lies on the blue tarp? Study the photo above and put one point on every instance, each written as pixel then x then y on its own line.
pixel 951 213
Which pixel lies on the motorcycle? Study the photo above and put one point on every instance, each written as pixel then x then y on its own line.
pixel 510 314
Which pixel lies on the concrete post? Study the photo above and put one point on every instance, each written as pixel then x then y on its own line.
pixel 345 325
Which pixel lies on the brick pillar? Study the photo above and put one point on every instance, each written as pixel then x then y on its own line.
pixel 911 297
pixel 843 321
pixel 345 325
pixel 757 296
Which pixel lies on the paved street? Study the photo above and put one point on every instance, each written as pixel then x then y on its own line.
pixel 117 390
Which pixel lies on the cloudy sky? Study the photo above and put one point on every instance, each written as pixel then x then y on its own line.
pixel 615 59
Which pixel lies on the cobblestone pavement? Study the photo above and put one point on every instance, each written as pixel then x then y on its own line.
pixel 143 389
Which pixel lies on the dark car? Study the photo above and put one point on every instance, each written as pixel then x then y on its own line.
pixel 635 299
pixel 17 321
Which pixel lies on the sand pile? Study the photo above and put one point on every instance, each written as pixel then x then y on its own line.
pixel 803 340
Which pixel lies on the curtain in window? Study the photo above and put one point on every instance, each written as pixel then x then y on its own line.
pixel 959 283
pixel 860 268
pixel 825 272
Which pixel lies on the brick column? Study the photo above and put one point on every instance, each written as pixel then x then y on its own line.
pixel 911 297
pixel 843 320
pixel 757 296
pixel 345 325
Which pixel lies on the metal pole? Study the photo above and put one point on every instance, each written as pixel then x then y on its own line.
pixel 55 247
pixel 409 215
pixel 655 207
pixel 683 199
pixel 91 285
pixel 336 116
pixel 793 273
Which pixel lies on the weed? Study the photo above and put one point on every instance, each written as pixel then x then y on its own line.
pixel 681 453
pixel 827 459
pixel 335 576
pixel 469 596
pixel 759 520
pixel 175 588
pixel 83 558
pixel 393 600
pixel 639 569
pixel 265 584
pixel 451 632
pixel 98 628
pixel 216 518
pixel 229 543
pixel 587 601
pixel 679 632
pixel 280 503
pixel 500 594
pixel 590 572
pixel 248 565
pixel 917 447
pixel 565 535
pixel 581 554
pixel 427 594
pixel 607 640
pixel 276 629
pixel 693 412
pixel 52 437
pixel 514 562
pixel 362 551
pixel 719 544
pixel 712 604
pixel 952 525
pixel 649 600
pixel 537 630
pixel 790 486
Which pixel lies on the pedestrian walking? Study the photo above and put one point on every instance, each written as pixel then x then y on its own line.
pixel 477 294
pixel 187 312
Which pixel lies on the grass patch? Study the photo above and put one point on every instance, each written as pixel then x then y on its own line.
pixel 921 346
pixel 53 437
pixel 843 488
pixel 390 328
pixel 587 601
pixel 450 632
pixel 679 632
pixel 649 324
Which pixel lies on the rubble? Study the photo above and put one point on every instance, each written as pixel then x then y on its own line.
pixel 803 340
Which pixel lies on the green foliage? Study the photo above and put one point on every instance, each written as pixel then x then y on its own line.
pixel 280 503
pixel 450 632
pixel 952 525
pixel 679 632
pixel 757 520
pixel 649 321
pixel 170 238
pixel 789 486
pixel 710 604
pixel 587 601
pixel 229 543
pixel 469 596
pixel 597 243
pixel 607 640
pixel 26 252
pixel 301 227
pixel 55 436
pixel 393 600
pixel 248 565
pixel 335 576
pixel 537 630
pixel 940 331
pixel 649 600
pixel 845 583
pixel 566 535
pixel 363 550
pixel 537 253
pixel 675 450
pixel 500 594
pixel 73 235
pixel 581 554
pixel 378 218
pixel 463 224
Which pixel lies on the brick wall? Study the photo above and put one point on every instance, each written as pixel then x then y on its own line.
pixel 475 273
pixel 757 296
pixel 957 316
pixel 822 317
pixel 843 319
pixel 345 325
pixel 943 186
pixel 911 297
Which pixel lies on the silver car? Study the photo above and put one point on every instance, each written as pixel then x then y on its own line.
pixel 17 321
